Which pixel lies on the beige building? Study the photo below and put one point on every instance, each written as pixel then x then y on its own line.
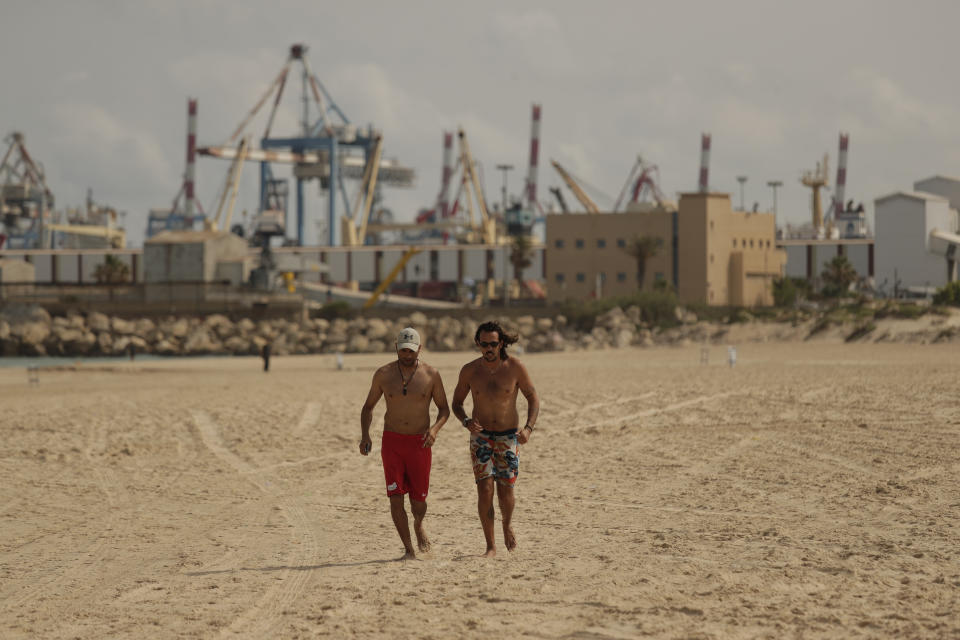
pixel 707 252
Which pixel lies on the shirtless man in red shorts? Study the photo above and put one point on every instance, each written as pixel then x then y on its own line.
pixel 408 385
pixel 493 381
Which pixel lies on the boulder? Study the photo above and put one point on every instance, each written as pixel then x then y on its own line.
pixel 357 344
pixel 144 327
pixel 377 329
pixel 121 327
pixel 98 322
pixel 201 341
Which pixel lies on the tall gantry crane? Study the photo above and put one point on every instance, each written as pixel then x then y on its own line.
pixel 24 195
pixel 325 149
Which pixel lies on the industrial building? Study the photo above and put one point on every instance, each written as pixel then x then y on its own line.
pixel 706 251
pixel 905 221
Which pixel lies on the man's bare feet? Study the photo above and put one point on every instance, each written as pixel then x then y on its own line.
pixel 423 542
pixel 509 539
pixel 409 555
pixel 491 553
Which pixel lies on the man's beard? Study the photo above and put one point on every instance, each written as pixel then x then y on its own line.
pixel 489 356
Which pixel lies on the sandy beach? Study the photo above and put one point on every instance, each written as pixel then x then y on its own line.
pixel 810 491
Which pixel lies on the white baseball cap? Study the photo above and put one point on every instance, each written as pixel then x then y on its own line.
pixel 408 339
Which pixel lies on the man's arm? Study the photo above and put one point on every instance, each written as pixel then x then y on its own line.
pixel 366 413
pixel 443 411
pixel 533 403
pixel 459 395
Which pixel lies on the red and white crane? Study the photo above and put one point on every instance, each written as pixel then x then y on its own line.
pixel 840 189
pixel 531 190
pixel 704 183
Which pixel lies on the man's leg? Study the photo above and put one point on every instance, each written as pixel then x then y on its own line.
pixel 419 510
pixel 485 509
pixel 507 501
pixel 400 521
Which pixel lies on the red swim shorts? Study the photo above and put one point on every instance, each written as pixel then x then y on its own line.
pixel 406 464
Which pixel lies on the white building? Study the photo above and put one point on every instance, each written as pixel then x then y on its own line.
pixel 943 186
pixel 903 222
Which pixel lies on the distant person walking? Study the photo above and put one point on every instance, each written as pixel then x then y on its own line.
pixel 265 354
pixel 493 380
pixel 408 385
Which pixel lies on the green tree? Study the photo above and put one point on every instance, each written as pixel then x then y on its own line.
pixel 520 255
pixel 112 270
pixel 837 277
pixel 949 294
pixel 641 249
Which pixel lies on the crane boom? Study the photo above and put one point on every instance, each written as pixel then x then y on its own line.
pixel 231 187
pixel 488 227
pixel 584 199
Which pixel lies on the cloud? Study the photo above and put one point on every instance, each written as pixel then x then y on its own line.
pixel 101 143
pixel 534 38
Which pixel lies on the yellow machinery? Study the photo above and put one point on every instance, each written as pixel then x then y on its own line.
pixel 231 187
pixel 815 180
pixel 355 227
pixel 397 268
pixel 584 199
pixel 487 227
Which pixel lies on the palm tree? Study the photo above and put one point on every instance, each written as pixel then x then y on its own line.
pixel 112 270
pixel 520 256
pixel 641 249
pixel 837 277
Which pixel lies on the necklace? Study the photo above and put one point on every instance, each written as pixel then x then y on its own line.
pixel 407 381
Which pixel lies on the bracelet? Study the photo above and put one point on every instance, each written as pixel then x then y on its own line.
pixel 527 426
pixel 465 421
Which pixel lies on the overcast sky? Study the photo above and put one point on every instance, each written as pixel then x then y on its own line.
pixel 100 90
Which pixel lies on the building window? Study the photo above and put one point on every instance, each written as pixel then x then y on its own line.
pixel 601 243
pixel 559 277
pixel 743 243
pixel 711 225
pixel 734 243
pixel 579 243
pixel 621 243
pixel 581 277
pixel 603 276
pixel 658 277
pixel 751 243
pixel 711 258
pixel 558 244
pixel 768 244
pixel 621 276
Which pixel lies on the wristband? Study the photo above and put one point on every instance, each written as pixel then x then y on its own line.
pixel 465 421
pixel 527 426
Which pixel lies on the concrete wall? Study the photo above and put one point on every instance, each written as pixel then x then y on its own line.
pixel 726 256
pixel 904 221
pixel 584 247
pixel 16 271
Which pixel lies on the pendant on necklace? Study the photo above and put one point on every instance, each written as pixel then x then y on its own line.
pixel 404 391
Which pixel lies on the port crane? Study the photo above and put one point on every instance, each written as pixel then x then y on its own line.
pixel 644 179
pixel 321 150
pixel 580 194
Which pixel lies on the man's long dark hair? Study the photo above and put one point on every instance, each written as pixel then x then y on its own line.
pixel 506 339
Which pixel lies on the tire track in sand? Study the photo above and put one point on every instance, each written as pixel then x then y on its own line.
pixel 259 620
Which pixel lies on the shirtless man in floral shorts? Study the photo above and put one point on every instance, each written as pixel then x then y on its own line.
pixel 493 380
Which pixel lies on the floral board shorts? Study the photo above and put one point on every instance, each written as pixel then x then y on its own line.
pixel 494 454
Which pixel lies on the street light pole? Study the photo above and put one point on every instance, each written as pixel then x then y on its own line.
pixel 742 180
pixel 506 281
pixel 505 168
pixel 773 184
